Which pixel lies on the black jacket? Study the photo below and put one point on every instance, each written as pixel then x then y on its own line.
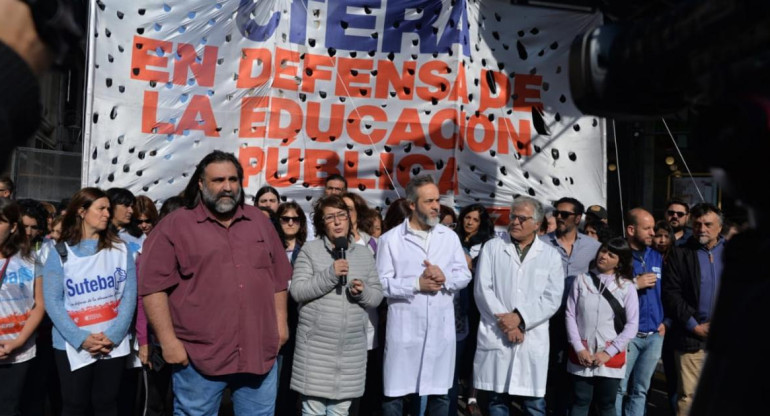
pixel 681 294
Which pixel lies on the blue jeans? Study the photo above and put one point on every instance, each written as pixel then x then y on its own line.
pixel 641 361
pixel 436 405
pixel 198 394
pixel 498 405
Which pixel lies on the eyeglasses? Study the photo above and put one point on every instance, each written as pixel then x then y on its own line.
pixel 563 214
pixel 291 220
pixel 452 225
pixel 521 218
pixel 144 221
pixel 342 216
pixel 679 214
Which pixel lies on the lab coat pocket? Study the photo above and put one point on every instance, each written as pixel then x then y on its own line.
pixel 491 337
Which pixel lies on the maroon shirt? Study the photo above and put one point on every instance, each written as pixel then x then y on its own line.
pixel 221 282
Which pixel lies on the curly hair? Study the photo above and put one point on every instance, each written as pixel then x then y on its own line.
pixel 486 226
pixel 333 201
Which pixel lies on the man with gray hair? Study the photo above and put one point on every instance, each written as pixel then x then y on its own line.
pixel 693 275
pixel 422 265
pixel 518 288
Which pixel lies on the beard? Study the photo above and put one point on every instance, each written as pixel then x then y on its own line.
pixel 641 241
pixel 563 228
pixel 704 239
pixel 221 203
pixel 427 219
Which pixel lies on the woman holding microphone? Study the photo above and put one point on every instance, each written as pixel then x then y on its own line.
pixel 334 281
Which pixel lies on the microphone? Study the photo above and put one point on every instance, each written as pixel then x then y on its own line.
pixel 340 247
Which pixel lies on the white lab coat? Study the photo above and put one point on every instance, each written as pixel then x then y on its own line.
pixel 534 288
pixel 420 335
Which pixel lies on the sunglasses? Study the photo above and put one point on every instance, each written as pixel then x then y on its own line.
pixel 563 214
pixel 678 214
pixel 289 220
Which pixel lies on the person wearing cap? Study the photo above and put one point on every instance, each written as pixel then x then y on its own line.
pixel 598 212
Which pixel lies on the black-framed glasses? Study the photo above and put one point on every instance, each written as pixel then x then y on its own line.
pixel 290 220
pixel 678 214
pixel 522 218
pixel 563 214
pixel 342 216
pixel 452 225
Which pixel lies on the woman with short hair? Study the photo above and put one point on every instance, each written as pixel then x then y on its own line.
pixel 145 213
pixel 333 292
pixel 90 293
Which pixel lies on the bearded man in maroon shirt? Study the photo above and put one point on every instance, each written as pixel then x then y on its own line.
pixel 214 278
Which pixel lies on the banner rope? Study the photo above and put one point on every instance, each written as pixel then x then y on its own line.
pixel 368 135
pixel 617 169
pixel 694 183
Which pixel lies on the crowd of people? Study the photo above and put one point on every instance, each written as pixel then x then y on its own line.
pixel 339 311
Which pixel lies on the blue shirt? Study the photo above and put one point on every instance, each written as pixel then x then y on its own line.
pixel 650 304
pixel 711 266
pixel 584 251
pixel 64 329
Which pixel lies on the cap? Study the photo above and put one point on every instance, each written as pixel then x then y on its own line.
pixel 597 211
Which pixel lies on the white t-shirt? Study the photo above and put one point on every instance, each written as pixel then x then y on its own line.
pixel 17 298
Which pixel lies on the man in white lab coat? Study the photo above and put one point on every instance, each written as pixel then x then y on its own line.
pixel 421 266
pixel 518 288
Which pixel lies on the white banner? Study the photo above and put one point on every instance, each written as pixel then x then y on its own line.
pixel 474 93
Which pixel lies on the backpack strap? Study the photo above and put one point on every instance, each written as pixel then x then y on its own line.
pixel 61 248
pixel 617 308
